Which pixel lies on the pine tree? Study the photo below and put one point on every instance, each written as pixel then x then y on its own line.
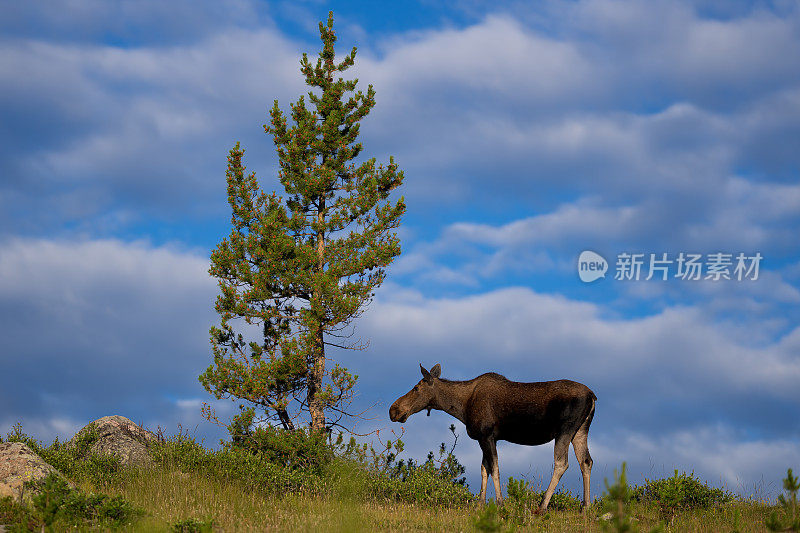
pixel 301 268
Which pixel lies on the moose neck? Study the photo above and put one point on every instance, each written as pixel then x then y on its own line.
pixel 451 396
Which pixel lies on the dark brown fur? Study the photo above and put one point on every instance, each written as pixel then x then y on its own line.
pixel 494 408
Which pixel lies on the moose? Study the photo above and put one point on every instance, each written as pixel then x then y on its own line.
pixel 494 408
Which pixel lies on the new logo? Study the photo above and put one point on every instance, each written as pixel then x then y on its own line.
pixel 591 266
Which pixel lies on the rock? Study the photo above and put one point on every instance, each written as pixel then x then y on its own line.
pixel 118 436
pixel 608 516
pixel 18 465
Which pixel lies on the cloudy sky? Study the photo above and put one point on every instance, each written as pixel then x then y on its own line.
pixel 528 133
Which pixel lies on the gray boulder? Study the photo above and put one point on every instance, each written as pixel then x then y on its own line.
pixel 118 436
pixel 19 465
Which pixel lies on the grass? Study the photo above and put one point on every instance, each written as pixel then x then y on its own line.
pixel 169 496
pixel 192 489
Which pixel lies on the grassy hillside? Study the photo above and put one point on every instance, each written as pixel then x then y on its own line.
pixel 313 486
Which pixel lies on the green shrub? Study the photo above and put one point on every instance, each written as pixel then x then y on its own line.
pixel 423 484
pixel 295 449
pixel 522 501
pixel 679 492
pixel 437 481
pixel 17 435
pixel 253 470
pixel 17 516
pixel 58 503
pixel 274 460
pixel 519 491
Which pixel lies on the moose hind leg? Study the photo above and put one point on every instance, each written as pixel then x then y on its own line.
pixel 498 492
pixel 581 446
pixel 484 476
pixel 560 464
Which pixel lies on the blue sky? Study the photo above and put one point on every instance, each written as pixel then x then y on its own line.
pixel 528 132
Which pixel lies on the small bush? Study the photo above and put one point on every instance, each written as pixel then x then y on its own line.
pixel 680 492
pixel 295 449
pixel 437 481
pixel 16 515
pixel 17 435
pixel 423 484
pixel 522 500
pixel 58 503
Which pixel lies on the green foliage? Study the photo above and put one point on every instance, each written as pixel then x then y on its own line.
pixel 295 448
pixel 419 483
pixel 736 527
pixel 232 463
pixel 680 492
pixel 438 480
pixel 302 268
pixel 790 514
pixel 520 502
pixel 271 469
pixel 519 491
pixel 16 516
pixel 74 460
pixel 58 503
pixel 18 435
pixel 489 518
pixel 193 525
pixel 615 505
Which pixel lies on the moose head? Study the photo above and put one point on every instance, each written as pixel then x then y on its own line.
pixel 422 396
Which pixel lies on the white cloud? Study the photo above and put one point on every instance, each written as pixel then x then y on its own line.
pixel 540 335
pixel 498 56
pixel 101 325
pixel 138 126
pixel 740 216
pixel 505 106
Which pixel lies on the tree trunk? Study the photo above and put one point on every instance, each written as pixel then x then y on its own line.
pixel 315 406
pixel 315 384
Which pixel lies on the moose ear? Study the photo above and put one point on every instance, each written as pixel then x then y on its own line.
pixel 425 373
pixel 436 371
